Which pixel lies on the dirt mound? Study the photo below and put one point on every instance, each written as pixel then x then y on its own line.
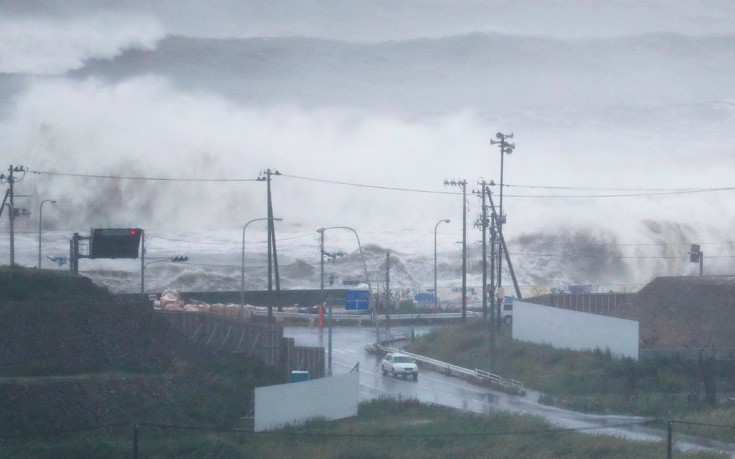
pixel 71 337
pixel 20 284
pixel 59 324
pixel 686 312
pixel 91 359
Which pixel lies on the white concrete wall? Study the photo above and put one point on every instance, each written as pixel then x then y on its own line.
pixel 331 398
pixel 574 330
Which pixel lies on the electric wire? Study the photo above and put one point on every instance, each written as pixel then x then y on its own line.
pixel 640 192
pixel 149 179
pixel 341 435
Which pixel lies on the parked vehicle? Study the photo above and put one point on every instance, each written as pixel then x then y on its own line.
pixel 402 365
pixel 309 310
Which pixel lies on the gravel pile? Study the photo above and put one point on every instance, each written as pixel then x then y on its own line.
pixel 686 312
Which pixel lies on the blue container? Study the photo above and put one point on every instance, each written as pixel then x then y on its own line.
pixel 297 376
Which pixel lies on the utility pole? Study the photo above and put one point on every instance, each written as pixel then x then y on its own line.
pixel 463 184
pixel 506 148
pixel 503 249
pixel 493 245
pixel 483 226
pixel 265 176
pixel 387 280
pixel 11 179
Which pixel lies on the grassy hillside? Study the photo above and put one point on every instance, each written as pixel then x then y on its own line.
pixel 595 381
pixel 383 429
pixel 80 372
pixel 71 357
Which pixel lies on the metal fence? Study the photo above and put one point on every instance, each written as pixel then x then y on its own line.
pixel 606 304
pixel 264 342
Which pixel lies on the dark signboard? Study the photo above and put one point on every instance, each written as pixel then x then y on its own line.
pixel 114 242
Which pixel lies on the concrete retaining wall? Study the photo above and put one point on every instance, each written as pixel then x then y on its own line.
pixel 330 398
pixel 574 330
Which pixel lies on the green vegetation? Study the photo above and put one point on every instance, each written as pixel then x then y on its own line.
pixel 382 429
pixel 667 388
pixel 79 369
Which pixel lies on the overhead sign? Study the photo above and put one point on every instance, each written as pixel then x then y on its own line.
pixel 357 300
pixel 114 242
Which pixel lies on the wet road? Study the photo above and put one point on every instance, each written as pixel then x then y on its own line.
pixel 348 349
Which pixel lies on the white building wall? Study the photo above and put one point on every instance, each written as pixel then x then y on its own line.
pixel 574 330
pixel 331 398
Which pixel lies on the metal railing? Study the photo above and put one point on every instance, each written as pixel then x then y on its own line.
pixel 368 317
pixel 481 376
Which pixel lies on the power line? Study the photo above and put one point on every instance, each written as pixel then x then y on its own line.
pixel 610 244
pixel 633 192
pixel 552 187
pixel 344 435
pixel 151 179
pixel 362 185
pixel 613 257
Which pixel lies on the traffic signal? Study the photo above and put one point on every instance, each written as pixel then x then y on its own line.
pixel 115 242
pixel 694 253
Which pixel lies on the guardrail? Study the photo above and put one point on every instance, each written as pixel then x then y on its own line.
pixel 368 317
pixel 476 375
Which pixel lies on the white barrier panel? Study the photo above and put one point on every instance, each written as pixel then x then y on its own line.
pixel 574 330
pixel 330 398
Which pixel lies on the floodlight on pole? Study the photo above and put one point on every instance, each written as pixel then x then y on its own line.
pixel 506 148
pixel 40 226
pixel 436 292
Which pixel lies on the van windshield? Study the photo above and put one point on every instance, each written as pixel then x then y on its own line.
pixel 402 359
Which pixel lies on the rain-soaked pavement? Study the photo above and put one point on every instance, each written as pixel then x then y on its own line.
pixel 348 349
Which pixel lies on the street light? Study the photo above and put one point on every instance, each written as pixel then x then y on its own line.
pixel 40 224
pixel 174 259
pixel 506 148
pixel 436 296
pixel 321 258
pixel 242 269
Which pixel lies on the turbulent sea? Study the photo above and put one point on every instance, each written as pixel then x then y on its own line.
pixel 142 115
pixel 542 263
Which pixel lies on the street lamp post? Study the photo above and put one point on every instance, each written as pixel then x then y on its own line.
pixel 436 295
pixel 40 225
pixel 367 279
pixel 242 269
pixel 174 259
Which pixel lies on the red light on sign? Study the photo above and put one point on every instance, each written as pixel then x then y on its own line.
pixel 132 232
